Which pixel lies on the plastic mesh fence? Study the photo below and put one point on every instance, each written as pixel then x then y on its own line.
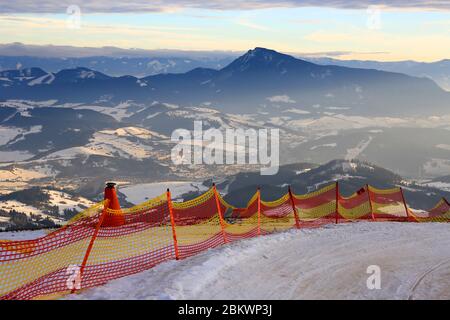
pixel 277 215
pixel 144 240
pixel 47 267
pixel 33 268
pixel 240 223
pixel 439 213
pixel 388 204
pixel 317 208
pixel 198 225
pixel 355 207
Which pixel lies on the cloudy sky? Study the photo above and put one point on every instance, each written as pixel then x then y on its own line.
pixel 363 29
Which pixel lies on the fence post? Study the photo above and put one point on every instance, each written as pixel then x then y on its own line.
pixel 91 242
pixel 297 222
pixel 448 204
pixel 337 201
pixel 172 222
pixel 370 203
pixel 408 217
pixel 219 211
pixel 259 211
pixel 446 201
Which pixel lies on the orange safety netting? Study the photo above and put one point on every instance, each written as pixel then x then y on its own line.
pixel 88 252
pixel 277 215
pixel 439 213
pixel 388 204
pixel 318 207
pixel 240 223
pixel 39 267
pixel 198 224
pixel 143 241
pixel 356 207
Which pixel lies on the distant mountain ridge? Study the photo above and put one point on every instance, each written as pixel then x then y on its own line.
pixel 245 85
pixel 439 71
pixel 141 62
pixel 65 52
pixel 117 66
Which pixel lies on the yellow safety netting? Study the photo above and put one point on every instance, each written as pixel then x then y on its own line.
pixel 158 230
pixel 28 265
pixel 320 204
pixel 277 215
pixel 387 203
pixel 198 224
pixel 439 213
pixel 357 206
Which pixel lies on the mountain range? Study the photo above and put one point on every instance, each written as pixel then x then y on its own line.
pixel 438 71
pixel 78 127
pixel 261 80
pixel 115 61
pixel 116 66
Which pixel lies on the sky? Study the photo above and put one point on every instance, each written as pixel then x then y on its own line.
pixel 363 29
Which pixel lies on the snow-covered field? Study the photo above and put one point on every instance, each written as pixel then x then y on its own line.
pixel 8 156
pixel 20 207
pixel 439 185
pixel 141 192
pixel 23 235
pixel 324 263
pixel 66 201
pixel 112 143
pixel 56 198
pixel 19 174
pixel 29 210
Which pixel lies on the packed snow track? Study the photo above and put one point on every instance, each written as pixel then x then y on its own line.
pixel 325 263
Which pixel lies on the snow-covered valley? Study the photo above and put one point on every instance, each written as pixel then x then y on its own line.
pixel 139 193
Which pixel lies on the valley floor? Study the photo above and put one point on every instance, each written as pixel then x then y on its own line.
pixel 325 263
pixel 23 235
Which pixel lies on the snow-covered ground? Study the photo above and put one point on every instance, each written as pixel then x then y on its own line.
pixel 324 263
pixel 56 198
pixel 112 143
pixel 141 192
pixel 353 153
pixel 66 201
pixel 19 174
pixel 445 186
pixel 8 133
pixel 29 210
pixel 23 235
pixel 20 207
pixel 8 156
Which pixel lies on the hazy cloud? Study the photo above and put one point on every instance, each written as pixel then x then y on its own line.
pixel 283 98
pixel 249 24
pixel 335 54
pixel 20 49
pixel 59 6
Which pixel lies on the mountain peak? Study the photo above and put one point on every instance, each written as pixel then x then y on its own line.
pixel 264 60
pixel 261 50
pixel 78 73
pixel 266 54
